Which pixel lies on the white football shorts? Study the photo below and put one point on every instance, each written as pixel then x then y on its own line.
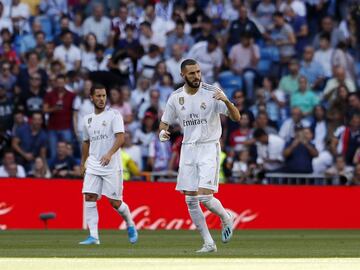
pixel 110 186
pixel 199 167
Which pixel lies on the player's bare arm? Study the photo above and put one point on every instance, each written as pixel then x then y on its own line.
pixel 119 140
pixel 234 113
pixel 84 155
pixel 164 134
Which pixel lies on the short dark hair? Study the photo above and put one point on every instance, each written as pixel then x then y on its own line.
pixel 278 14
pixel 259 132
pixel 95 87
pixel 187 62
pixel 325 36
pixel 146 24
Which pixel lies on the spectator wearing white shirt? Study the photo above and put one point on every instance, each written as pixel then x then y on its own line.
pixel 98 24
pixel 54 8
pixel 209 56
pixel 324 54
pixel 5 21
pixel 88 51
pixel 68 53
pixel 19 14
pixel 269 150
pixel 148 37
pixel 120 22
pixel 147 63
pixel 10 168
pixel 141 93
pixel 173 63
pixel 287 129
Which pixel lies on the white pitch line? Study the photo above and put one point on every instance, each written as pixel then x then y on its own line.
pixel 178 264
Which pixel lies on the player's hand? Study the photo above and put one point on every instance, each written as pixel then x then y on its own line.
pixel 105 160
pixel 164 135
pixel 219 95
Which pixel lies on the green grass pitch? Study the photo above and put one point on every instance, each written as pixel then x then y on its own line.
pixel 182 244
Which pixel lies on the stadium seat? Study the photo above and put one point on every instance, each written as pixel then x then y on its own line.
pixel 269 53
pixel 264 66
pixel 46 26
pixel 229 82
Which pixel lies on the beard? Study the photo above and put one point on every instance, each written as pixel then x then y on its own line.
pixel 99 107
pixel 194 84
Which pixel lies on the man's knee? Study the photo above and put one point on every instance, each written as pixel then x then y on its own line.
pixel 115 203
pixel 90 197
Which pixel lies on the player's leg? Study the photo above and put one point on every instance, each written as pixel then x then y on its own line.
pixel 113 189
pixel 91 189
pixel 198 218
pixel 209 181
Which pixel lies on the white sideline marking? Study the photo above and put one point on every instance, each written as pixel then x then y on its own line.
pixel 178 264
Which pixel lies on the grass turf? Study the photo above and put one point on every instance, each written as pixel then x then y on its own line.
pixel 182 244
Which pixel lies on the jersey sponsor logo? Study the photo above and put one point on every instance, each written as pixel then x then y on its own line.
pixel 181 100
pixel 98 136
pixel 203 105
pixel 194 120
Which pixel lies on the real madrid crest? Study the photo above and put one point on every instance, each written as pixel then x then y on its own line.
pixel 181 100
pixel 203 105
pixel 89 120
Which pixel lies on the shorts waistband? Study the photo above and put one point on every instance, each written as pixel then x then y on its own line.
pixel 200 143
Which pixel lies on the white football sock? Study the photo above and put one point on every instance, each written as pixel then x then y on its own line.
pixel 215 206
pixel 92 218
pixel 198 218
pixel 124 211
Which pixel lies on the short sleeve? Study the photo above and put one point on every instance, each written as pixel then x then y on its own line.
pixel 221 108
pixel 169 115
pixel 77 103
pixel 117 123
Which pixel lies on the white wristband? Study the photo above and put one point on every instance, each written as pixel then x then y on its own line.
pixel 162 136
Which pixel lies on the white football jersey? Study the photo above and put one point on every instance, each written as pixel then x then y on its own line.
pixel 100 130
pixel 198 115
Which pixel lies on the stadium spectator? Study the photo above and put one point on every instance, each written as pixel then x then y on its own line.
pixel 244 58
pixel 173 63
pixel 296 5
pixel 165 87
pixel 82 106
pixel 342 58
pixel 148 37
pixel 340 173
pixel 129 167
pixel 30 141
pixel 356 176
pixel 54 9
pixel 338 108
pixel 262 121
pixel 283 38
pixel 319 127
pixel 299 152
pixel 117 103
pixel 145 135
pixel 164 9
pixel 324 54
pixel 154 104
pixel 68 53
pixel 312 70
pixel 159 71
pixel 59 104
pixel 205 31
pixel 240 26
pixel 39 169
pixel 287 129
pixel 5 140
pixel 240 138
pixel 242 169
pixel 353 103
pixel 290 83
pixel 147 63
pixel 159 155
pixel 33 100
pixel 180 38
pixel 158 25
pixel 63 165
pixel 304 99
pixel 121 23
pixel 269 150
pixel 6 109
pixel 346 139
pixel 28 40
pixel 332 84
pixel 7 79
pixel 209 56
pixel 194 15
pixel 328 27
pixel 10 167
pixel 130 43
pixel 5 21
pixel 141 93
pixel 64 26
pixel 88 51
pixel 132 149
pixel 264 13
pixel 98 24
pixel 19 13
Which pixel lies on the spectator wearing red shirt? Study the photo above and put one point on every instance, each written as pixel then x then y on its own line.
pixel 240 137
pixel 59 105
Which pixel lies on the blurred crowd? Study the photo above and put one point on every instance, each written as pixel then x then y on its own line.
pixel 290 66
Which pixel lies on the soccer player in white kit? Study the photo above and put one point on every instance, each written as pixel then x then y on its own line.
pixel 197 107
pixel 101 164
